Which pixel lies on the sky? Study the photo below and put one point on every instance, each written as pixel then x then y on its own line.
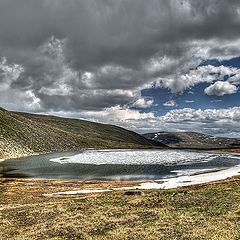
pixel 147 66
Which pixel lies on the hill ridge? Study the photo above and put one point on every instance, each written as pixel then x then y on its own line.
pixel 192 140
pixel 26 134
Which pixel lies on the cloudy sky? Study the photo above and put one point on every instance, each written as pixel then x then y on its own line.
pixel 151 65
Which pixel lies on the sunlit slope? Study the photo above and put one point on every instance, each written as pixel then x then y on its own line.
pixel 24 134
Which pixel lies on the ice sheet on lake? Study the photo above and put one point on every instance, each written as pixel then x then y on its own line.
pixel 166 157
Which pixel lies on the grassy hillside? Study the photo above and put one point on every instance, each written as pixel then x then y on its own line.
pixel 24 134
pixel 193 140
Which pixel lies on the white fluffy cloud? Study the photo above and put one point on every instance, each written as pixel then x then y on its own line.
pixel 221 88
pixel 115 115
pixel 170 103
pixel 209 73
pixel 225 122
pixel 143 103
pixel 198 115
pixel 121 114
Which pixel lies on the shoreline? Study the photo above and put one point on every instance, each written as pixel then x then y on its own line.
pixel 206 177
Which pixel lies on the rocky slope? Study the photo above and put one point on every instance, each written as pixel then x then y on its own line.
pixel 192 140
pixel 26 134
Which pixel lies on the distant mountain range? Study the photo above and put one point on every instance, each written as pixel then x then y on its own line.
pixel 192 140
pixel 26 134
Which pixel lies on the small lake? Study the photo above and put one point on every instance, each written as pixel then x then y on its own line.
pixel 120 165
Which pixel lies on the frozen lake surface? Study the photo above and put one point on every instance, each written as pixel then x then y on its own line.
pixel 175 165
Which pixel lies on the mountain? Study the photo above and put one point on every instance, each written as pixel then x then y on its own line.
pixel 25 134
pixel 192 140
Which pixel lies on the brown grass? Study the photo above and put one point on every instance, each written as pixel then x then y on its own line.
pixel 208 211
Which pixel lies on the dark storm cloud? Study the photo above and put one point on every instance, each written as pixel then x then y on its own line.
pixel 122 35
pixel 83 101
